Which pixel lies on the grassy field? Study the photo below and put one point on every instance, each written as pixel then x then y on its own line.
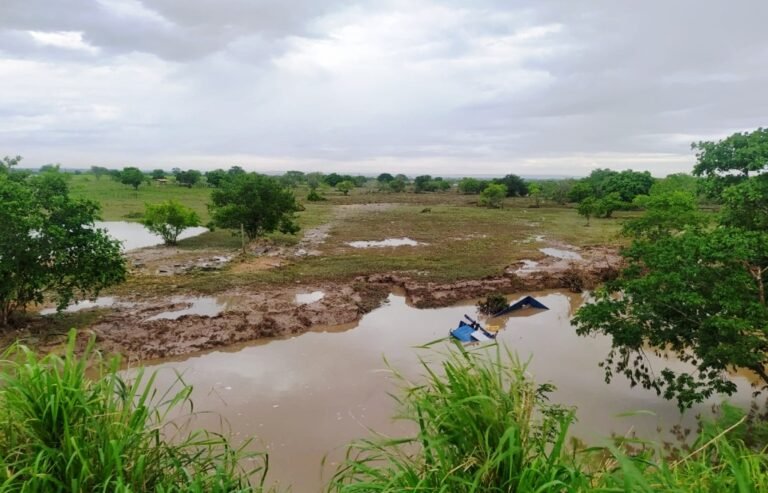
pixel 459 240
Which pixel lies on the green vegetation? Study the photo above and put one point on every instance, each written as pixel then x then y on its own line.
pixel 694 291
pixel 48 245
pixel 493 196
pixel 169 219
pixel 131 176
pixel 73 423
pixel 484 426
pixel 256 203
pixel 345 187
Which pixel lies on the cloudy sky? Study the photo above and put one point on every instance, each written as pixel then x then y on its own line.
pixel 413 86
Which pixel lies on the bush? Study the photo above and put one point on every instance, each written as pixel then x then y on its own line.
pixel 71 424
pixel 169 219
pixel 493 196
pixel 313 196
pixel 493 304
pixel 483 426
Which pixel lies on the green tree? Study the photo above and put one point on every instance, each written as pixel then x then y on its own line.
pixel 188 178
pixel 694 291
pixel 397 185
pixel 516 186
pixel 293 178
pixel 49 245
pixel 99 171
pixel 215 177
pixel 385 178
pixel 257 203
pixel 423 183
pixel 608 204
pixel 493 196
pixel 698 295
pixel 333 179
pixel 471 186
pixel 314 180
pixel 169 219
pixel 580 191
pixel 628 184
pixel 158 174
pixel 345 187
pixel 556 190
pixel 731 160
pixel 535 193
pixel 587 208
pixel 132 177
pixel 665 214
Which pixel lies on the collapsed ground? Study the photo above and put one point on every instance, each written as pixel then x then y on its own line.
pixel 461 252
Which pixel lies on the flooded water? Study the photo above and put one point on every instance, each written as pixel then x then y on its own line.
pixel 389 242
pixel 135 235
pixel 310 395
pixel 308 298
pixel 561 254
pixel 100 302
pixel 205 306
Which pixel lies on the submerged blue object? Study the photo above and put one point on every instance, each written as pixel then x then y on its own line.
pixel 463 332
pixel 473 332
pixel 527 302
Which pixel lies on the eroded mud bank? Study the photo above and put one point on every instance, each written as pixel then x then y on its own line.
pixel 141 331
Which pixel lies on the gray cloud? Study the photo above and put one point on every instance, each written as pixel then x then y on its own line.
pixel 538 87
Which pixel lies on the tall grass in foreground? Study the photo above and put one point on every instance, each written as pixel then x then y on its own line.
pixel 64 431
pixel 485 426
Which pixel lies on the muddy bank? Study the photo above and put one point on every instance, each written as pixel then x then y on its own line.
pixel 179 325
pixel 592 267
pixel 162 328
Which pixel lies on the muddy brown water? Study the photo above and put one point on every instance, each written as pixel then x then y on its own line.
pixel 306 397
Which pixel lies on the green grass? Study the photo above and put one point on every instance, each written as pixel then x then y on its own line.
pixel 73 423
pixel 483 426
pixel 121 203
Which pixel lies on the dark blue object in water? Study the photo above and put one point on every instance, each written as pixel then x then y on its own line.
pixel 463 332
pixel 527 302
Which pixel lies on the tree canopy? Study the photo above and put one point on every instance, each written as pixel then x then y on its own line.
pixel 188 178
pixel 258 203
pixel 131 176
pixel 49 245
pixel 169 219
pixel 692 290
pixel 493 196
pixel 516 186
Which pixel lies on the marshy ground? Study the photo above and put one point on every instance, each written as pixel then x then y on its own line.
pixel 455 250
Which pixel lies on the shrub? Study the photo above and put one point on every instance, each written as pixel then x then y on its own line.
pixel 169 219
pixel 72 424
pixel 493 304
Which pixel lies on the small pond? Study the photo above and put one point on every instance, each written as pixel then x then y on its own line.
pixel 307 396
pixel 389 242
pixel 135 235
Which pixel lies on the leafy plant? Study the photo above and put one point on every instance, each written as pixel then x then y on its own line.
pixel 169 219
pixel 73 423
pixel 493 304
pixel 49 245
pixel 493 196
pixel 257 203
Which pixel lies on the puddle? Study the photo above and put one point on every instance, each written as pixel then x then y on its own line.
pixel 307 397
pixel 135 235
pixel 309 298
pixel 561 254
pixel 389 242
pixel 204 306
pixel 100 302
pixel 528 266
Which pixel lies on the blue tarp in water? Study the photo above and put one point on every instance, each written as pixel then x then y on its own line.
pixel 527 302
pixel 463 332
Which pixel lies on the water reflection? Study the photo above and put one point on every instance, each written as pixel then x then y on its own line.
pixel 310 395
pixel 135 235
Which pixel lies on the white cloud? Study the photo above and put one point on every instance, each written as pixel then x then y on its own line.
pixel 444 87
pixel 68 40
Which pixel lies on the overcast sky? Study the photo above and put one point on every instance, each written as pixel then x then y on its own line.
pixel 449 87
